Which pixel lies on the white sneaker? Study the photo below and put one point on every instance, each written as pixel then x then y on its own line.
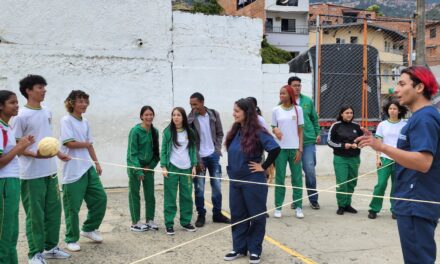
pixel 277 214
pixel 73 247
pixel 94 235
pixel 55 253
pixel 139 228
pixel 37 259
pixel 152 225
pixel 299 213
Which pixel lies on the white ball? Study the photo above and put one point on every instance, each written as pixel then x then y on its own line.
pixel 48 146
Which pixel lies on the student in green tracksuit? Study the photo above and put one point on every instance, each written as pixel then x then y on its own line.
pixel 80 178
pixel 178 155
pixel 9 178
pixel 346 158
pixel 142 152
pixel 39 181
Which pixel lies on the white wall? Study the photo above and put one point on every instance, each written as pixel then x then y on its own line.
pixel 303 6
pixel 91 45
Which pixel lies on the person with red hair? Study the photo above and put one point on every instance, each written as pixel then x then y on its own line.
pixel 287 125
pixel 417 158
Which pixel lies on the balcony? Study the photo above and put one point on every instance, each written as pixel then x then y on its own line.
pixel 298 31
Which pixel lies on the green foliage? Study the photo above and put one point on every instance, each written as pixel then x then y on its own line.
pixel 375 8
pixel 273 55
pixel 207 7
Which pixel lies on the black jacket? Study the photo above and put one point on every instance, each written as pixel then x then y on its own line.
pixel 343 132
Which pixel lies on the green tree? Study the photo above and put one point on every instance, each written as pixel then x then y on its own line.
pixel 375 8
pixel 273 55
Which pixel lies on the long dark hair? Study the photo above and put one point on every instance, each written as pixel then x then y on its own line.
pixel 250 143
pixel 153 132
pixel 392 101
pixel 342 110
pixel 185 125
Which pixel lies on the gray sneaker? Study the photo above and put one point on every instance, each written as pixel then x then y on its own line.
pixel 55 253
pixel 37 259
pixel 152 225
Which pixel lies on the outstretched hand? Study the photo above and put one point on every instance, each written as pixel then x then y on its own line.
pixel 368 140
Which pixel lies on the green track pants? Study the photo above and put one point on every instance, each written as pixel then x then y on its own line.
pixel 185 184
pixel 288 156
pixel 89 189
pixel 42 204
pixel 346 169
pixel 383 173
pixel 134 199
pixel 9 203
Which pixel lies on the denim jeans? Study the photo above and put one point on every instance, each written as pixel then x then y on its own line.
pixel 309 163
pixel 211 164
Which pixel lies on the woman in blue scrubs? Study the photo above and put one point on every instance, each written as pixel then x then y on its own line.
pixel 417 158
pixel 245 144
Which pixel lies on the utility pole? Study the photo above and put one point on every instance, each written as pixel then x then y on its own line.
pixel 420 34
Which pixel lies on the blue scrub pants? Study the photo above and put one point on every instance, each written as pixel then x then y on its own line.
pixel 417 239
pixel 246 200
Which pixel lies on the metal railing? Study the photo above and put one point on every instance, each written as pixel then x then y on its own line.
pixel 299 31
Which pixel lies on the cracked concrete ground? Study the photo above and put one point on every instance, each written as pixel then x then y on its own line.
pixel 322 236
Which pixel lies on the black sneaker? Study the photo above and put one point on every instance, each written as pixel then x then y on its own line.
pixel 340 211
pixel 189 228
pixel 170 231
pixel 233 255
pixel 220 218
pixel 350 209
pixel 200 221
pixel 315 206
pixel 393 216
pixel 254 258
pixel 372 215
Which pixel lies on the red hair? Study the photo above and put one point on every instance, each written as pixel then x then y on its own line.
pixel 291 93
pixel 420 74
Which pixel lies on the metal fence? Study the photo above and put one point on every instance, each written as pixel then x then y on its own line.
pixel 355 61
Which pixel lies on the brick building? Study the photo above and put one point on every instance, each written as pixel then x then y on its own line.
pixel 432 42
pixel 250 8
pixel 337 14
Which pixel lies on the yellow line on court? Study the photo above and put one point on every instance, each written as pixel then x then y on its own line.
pixel 276 243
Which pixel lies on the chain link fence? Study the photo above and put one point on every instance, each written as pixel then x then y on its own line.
pixel 355 61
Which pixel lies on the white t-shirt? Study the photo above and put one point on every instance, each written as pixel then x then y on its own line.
pixel 73 129
pixel 389 133
pixel 288 121
pixel 12 169
pixel 206 143
pixel 37 123
pixel 180 155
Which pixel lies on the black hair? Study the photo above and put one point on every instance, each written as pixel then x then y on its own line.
pixel 185 125
pixel 69 103
pixel 342 110
pixel 153 132
pixel 293 78
pixel 5 95
pixel 254 101
pixel 29 81
pixel 392 101
pixel 198 96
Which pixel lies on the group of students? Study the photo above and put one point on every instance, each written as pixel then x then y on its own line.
pixel 191 145
pixel 24 171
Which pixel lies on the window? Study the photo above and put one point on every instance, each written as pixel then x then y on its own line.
pixel 350 18
pixel 288 25
pixel 354 40
pixel 287 2
pixel 340 41
pixel 243 3
pixel 432 32
pixel 269 24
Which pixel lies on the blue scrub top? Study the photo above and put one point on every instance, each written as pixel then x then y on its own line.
pixel 238 161
pixel 421 134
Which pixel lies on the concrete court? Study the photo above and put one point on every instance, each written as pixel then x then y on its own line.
pixel 321 237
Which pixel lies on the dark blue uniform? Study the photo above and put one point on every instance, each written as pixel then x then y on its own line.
pixel 247 199
pixel 417 221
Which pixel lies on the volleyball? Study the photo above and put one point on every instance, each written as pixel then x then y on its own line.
pixel 48 146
